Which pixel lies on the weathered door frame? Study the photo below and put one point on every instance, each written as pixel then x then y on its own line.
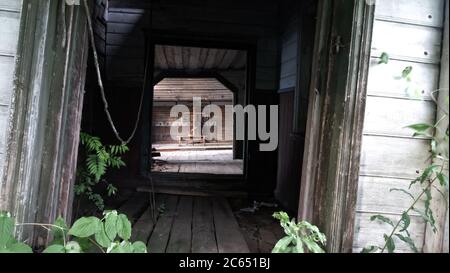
pixel 46 115
pixel 154 38
pixel 335 119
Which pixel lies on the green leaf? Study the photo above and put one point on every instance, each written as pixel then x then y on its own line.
pixel 443 179
pixel 282 244
pixel 73 247
pixel 282 216
pixel 123 226
pixel 139 247
pixel 383 219
pixel 313 246
pixel 406 220
pixel 299 246
pixel 406 72
pixel 384 58
pixel 390 244
pixel 428 172
pixel 101 238
pixel 403 191
pixel 85 244
pixel 123 247
pixel 111 225
pixel 60 231
pixel 420 127
pixel 408 241
pixel 55 249
pixel 85 227
pixel 6 229
pixel 423 215
pixel 20 248
pixel 370 249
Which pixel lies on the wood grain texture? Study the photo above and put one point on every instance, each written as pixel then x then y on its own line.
pixel 393 202
pixel 229 237
pixel 181 233
pixel 386 116
pixel 438 241
pixel 385 80
pixel 133 207
pixel 421 12
pixel 209 18
pixel 371 233
pixel 407 42
pixel 203 232
pixel 411 33
pixel 9 31
pixel 147 221
pixel 160 236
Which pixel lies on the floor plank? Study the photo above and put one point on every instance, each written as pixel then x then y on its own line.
pixel 134 207
pixel 145 224
pixel 228 234
pixel 203 237
pixel 189 191
pixel 180 235
pixel 160 236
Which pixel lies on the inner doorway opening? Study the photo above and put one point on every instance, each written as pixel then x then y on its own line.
pixel 195 89
pixel 193 152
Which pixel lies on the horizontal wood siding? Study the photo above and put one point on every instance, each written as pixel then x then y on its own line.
pixel 411 33
pixel 10 11
pixel 289 49
pixel 254 21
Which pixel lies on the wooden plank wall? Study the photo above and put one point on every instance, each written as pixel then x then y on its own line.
pixel 10 11
pixel 411 33
pixel 162 123
pixel 252 20
pixel 291 143
pixel 289 49
pixel 99 23
pixel 445 83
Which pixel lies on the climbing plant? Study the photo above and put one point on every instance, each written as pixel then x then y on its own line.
pixel 111 234
pixel 432 178
pixel 300 237
pixel 96 159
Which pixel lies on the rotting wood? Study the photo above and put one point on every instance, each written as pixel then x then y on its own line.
pixel 437 242
pixel 332 171
pixel 34 172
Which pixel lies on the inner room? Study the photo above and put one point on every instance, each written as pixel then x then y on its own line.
pixel 204 84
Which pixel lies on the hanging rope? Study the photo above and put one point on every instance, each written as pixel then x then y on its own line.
pixel 102 89
pixel 105 103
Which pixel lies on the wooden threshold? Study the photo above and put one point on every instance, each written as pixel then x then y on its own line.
pixel 192 191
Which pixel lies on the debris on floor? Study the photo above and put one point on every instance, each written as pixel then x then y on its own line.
pixel 260 229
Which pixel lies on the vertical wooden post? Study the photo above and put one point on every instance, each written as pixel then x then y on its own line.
pixel 337 105
pixel 438 242
pixel 43 144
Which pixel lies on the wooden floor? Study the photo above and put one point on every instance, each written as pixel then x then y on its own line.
pixel 185 224
pixel 198 161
